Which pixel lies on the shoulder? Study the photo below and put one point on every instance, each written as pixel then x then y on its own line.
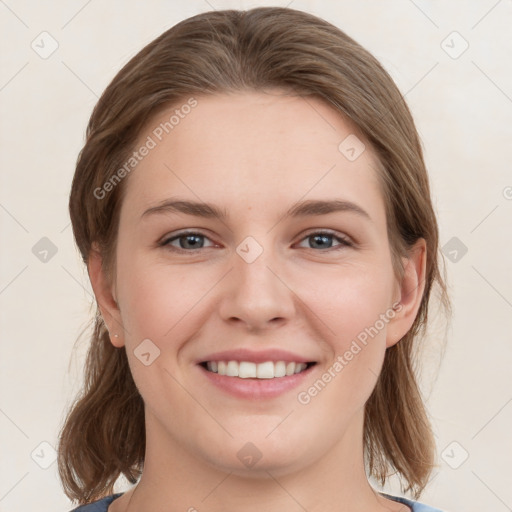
pixel 416 506
pixel 99 505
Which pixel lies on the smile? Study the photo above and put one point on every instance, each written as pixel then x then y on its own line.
pixel 250 370
pixel 256 381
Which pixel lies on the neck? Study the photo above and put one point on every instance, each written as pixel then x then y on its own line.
pixel 174 479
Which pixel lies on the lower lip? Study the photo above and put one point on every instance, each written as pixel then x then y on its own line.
pixel 254 389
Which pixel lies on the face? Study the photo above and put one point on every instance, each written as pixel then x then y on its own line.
pixel 296 268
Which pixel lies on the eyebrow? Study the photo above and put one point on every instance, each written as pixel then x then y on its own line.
pixel 299 209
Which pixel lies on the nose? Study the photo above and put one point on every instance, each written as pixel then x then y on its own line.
pixel 256 295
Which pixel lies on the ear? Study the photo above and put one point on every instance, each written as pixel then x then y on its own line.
pixel 410 293
pixel 104 293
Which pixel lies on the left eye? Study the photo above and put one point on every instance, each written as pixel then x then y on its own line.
pixel 322 237
pixel 191 240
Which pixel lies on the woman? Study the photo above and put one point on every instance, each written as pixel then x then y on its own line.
pixel 254 212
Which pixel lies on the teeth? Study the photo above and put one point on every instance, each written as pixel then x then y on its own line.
pixel 248 370
pixel 232 369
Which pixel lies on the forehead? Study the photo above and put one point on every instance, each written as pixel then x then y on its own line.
pixel 252 150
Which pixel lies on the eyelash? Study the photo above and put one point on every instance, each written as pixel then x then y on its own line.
pixel 344 242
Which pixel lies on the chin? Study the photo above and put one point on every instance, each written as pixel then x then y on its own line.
pixel 256 455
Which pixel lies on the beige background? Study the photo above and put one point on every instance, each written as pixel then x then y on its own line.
pixel 462 103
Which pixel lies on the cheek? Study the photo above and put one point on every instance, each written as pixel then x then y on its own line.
pixel 356 312
pixel 351 302
pixel 159 299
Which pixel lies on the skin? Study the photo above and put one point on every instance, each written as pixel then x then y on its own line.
pixel 255 154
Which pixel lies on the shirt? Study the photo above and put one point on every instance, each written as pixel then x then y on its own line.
pixel 103 504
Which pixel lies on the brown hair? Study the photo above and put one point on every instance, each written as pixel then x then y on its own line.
pixel 103 435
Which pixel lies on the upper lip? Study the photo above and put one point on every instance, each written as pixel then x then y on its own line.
pixel 242 354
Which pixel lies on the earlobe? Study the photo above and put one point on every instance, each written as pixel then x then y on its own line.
pixel 411 291
pixel 103 291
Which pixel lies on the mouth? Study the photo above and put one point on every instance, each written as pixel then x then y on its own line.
pixel 257 371
pixel 249 380
pixel 257 374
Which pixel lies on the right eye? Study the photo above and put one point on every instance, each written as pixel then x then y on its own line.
pixel 188 241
